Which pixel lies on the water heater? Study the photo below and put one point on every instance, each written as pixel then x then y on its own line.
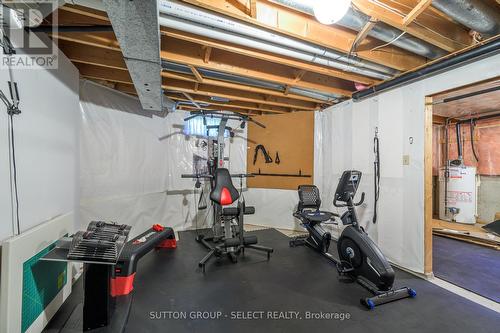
pixel 458 194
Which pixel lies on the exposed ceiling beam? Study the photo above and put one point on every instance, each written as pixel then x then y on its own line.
pixel 305 27
pixel 122 76
pixel 277 74
pixel 232 104
pixel 451 39
pixel 85 11
pixel 171 35
pixel 196 74
pixel 234 94
pixel 192 100
pixel 189 108
pixel 207 50
pixel 227 84
pixel 188 54
pixel 416 11
pixel 80 53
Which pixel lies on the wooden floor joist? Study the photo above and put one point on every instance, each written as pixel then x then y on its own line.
pixel 267 56
pixel 299 25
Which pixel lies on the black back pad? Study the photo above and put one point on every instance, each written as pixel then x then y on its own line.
pixel 309 197
pixel 224 192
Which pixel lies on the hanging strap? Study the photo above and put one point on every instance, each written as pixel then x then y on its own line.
pixel 376 173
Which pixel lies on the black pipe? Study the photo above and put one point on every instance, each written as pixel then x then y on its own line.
pixel 487 49
pixel 72 28
pixel 459 140
pixel 475 93
pixel 490 116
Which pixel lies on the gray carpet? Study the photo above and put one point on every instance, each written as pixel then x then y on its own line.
pixel 470 266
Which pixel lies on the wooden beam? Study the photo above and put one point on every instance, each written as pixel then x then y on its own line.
pixel 207 50
pixel 232 104
pixel 188 54
pixel 363 33
pixel 192 100
pixel 103 73
pixel 85 11
pixel 122 76
pixel 105 40
pixel 196 74
pixel 264 70
pixel 428 187
pixel 299 25
pixel 451 39
pixel 299 75
pixel 243 87
pixel 113 59
pixel 253 9
pixel 287 90
pixel 94 56
pixel 238 95
pixel 175 35
pixel 214 108
pixel 416 11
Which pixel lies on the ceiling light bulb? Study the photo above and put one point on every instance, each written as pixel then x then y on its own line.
pixel 330 11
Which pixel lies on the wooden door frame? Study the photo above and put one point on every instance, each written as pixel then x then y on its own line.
pixel 428 188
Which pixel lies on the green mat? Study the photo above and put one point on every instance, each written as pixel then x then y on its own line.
pixel 42 281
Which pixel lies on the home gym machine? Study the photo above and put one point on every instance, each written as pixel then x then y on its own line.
pixel 109 266
pixel 360 259
pixel 228 235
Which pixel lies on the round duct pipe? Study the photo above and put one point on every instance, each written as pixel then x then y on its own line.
pixel 173 9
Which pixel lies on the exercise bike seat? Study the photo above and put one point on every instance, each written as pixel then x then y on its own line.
pixel 224 192
pixel 316 215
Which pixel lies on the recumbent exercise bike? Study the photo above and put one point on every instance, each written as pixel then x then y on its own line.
pixel 360 259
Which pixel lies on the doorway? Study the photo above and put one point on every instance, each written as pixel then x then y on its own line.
pixel 462 187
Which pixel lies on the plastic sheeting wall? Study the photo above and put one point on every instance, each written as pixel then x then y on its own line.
pixel 346 133
pixel 131 164
pixel 46 144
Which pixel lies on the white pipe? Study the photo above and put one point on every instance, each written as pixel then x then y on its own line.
pixel 195 28
pixel 204 17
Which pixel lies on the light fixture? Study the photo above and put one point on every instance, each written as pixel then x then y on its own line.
pixel 330 11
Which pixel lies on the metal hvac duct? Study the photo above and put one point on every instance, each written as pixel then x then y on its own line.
pixel 202 22
pixel 356 20
pixel 216 75
pixel 474 14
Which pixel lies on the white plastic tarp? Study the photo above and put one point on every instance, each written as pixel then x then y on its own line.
pixel 131 164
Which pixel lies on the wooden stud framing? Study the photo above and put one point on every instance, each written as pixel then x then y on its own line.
pixel 196 74
pixel 207 50
pixel 428 187
pixel 363 33
pixel 417 10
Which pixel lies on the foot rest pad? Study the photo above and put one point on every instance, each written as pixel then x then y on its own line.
pixel 233 211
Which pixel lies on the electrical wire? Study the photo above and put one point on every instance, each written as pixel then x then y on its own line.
pixel 12 149
pixel 389 43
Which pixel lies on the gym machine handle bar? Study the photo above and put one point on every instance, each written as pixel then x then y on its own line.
pixel 346 204
pixel 235 175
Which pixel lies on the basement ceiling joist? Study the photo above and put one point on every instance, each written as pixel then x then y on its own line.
pixel 305 27
pixel 84 54
pixel 123 77
pixel 441 33
pixel 286 84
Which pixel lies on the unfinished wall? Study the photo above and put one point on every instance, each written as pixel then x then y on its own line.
pixel 347 134
pixel 46 145
pixel 131 163
pixel 487 147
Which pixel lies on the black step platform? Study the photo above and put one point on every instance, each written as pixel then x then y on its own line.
pixel 168 285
